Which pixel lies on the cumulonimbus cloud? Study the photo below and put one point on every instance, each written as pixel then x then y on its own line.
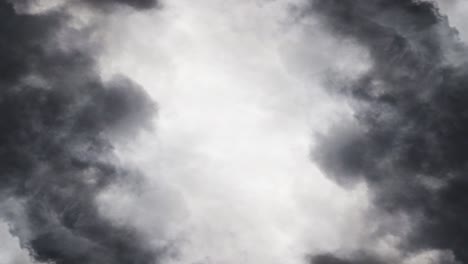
pixel 409 140
pixel 55 155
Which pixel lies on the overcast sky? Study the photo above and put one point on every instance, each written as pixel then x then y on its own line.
pixel 231 132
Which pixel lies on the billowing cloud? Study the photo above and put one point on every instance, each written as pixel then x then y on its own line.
pixel 238 90
pixel 331 259
pixel 245 90
pixel 138 4
pixel 55 156
pixel 409 139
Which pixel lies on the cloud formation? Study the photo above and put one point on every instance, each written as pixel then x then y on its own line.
pixel 409 139
pixel 138 4
pixel 228 173
pixel 55 155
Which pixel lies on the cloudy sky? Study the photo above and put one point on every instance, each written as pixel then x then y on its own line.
pixel 233 132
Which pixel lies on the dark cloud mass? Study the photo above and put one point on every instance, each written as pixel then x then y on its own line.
pixel 139 4
pixel 410 143
pixel 55 157
pixel 331 259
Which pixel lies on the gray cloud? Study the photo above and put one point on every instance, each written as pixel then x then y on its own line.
pixel 138 4
pixel 55 155
pixel 409 143
pixel 331 259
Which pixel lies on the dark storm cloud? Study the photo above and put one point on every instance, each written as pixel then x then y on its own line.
pixel 331 259
pixel 55 157
pixel 410 143
pixel 139 4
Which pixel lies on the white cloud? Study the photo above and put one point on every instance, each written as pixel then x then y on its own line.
pixel 456 11
pixel 10 250
pixel 239 88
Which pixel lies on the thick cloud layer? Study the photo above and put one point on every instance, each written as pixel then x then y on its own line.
pixel 330 259
pixel 139 4
pixel 409 143
pixel 55 155
pixel 238 92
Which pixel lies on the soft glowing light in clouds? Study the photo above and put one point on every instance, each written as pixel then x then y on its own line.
pixel 10 252
pixel 238 84
pixel 456 12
